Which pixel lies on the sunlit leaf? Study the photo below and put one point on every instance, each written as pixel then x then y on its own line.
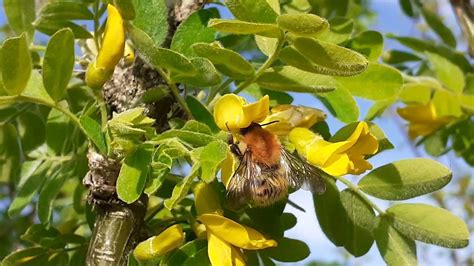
pixel 20 15
pixel 405 179
pixel 303 24
pixel 16 56
pixel 133 174
pixel 245 27
pixel 58 63
pixel 429 224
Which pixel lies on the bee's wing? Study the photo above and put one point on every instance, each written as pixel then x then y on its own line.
pixel 302 174
pixel 241 184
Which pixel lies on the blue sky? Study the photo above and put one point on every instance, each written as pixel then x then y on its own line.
pixel 390 19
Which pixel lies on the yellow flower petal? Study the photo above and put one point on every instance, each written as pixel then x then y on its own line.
pixel 234 233
pixel 206 200
pixel 237 258
pixel 159 245
pixel 302 138
pixel 228 168
pixel 231 112
pixel 219 251
pixel 112 50
pixel 337 158
pixel 289 117
pixel 423 119
pixel 113 43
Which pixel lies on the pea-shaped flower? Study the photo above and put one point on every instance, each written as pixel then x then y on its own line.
pixel 110 53
pixel 225 237
pixel 423 119
pixel 157 246
pixel 337 158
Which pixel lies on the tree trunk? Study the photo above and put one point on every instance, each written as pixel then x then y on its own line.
pixel 118 226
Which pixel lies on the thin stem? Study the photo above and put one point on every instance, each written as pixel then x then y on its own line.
pixel 37 48
pixel 356 190
pixel 157 209
pixel 56 106
pixel 102 108
pixel 175 92
pixel 213 92
pixel 262 68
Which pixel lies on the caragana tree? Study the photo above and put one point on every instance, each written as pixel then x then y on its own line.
pixel 116 114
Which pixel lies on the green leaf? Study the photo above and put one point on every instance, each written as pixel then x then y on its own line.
pixel 245 27
pixel 331 215
pixel 16 56
pixel 56 127
pixel 446 104
pixel 226 61
pixel 290 56
pixel 201 113
pixel 379 107
pixel 252 10
pixel 193 30
pixel 160 57
pixel 151 18
pixel 376 83
pixel 330 59
pixel 126 8
pixel 51 26
pixel 37 233
pixel 341 104
pixel 435 144
pixel 361 218
pixel 195 139
pixel 182 188
pixel 438 26
pixel 447 72
pixel 288 78
pixel 420 45
pixel 66 11
pixel 195 126
pixel 31 179
pixel 407 7
pixel 405 179
pixel 35 89
pixel 186 253
pixel 31 128
pixel 58 63
pixel 210 158
pixel 415 92
pixel 395 248
pixel 94 133
pixel 303 24
pixel 24 256
pixel 430 224
pixel 299 250
pixel 20 15
pixel 267 45
pixel 206 74
pixel 10 154
pixel 368 43
pixel 48 193
pixel 396 57
pixel 339 31
pixel 133 174
pixel 344 133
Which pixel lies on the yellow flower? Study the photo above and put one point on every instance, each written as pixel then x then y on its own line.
pixel 228 167
pixel 290 116
pixel 225 237
pixel 338 158
pixel 233 113
pixel 423 119
pixel 157 246
pixel 111 52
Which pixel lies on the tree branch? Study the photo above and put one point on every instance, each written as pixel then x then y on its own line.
pixel 465 15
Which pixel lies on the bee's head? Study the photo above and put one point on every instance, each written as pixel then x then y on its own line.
pixel 253 126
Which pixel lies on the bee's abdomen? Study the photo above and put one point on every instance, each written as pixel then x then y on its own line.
pixel 269 189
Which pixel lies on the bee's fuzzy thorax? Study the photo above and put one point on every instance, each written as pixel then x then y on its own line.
pixel 265 146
